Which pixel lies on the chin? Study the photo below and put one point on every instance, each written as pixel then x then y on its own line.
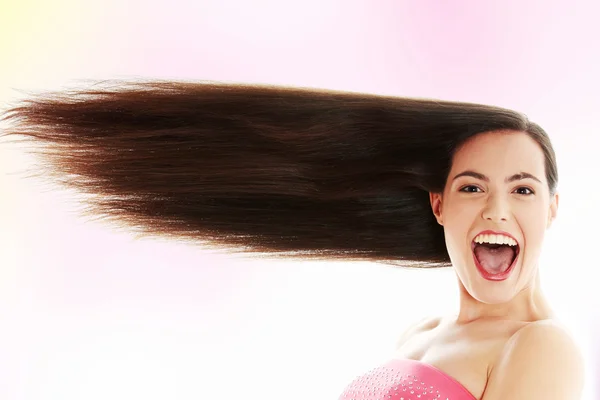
pixel 495 295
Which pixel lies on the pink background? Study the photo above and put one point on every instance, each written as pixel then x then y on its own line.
pixel 88 312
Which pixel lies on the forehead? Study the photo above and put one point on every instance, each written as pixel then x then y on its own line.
pixel 503 153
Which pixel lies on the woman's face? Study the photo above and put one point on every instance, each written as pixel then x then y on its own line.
pixel 497 184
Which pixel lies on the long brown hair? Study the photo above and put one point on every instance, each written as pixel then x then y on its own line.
pixel 293 173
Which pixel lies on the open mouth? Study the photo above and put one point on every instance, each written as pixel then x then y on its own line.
pixel 495 256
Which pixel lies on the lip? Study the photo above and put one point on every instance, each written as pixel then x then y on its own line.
pixel 501 276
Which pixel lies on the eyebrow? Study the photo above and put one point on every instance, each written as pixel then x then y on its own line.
pixel 513 178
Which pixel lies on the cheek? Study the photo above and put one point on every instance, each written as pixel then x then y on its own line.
pixel 533 225
pixel 459 216
pixel 458 221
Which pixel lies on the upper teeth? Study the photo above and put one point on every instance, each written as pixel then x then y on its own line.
pixel 495 239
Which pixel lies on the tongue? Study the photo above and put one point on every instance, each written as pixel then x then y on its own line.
pixel 494 260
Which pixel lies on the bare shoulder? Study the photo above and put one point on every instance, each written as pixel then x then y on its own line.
pixel 422 325
pixel 544 330
pixel 545 339
pixel 540 361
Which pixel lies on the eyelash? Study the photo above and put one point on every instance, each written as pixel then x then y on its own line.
pixel 531 192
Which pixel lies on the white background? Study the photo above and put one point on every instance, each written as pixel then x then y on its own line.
pixel 87 312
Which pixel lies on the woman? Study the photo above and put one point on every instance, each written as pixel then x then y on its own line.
pixel 498 200
pixel 326 175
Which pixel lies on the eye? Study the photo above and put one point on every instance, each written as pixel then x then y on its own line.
pixel 525 191
pixel 470 189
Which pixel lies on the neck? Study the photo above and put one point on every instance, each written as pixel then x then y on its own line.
pixel 528 305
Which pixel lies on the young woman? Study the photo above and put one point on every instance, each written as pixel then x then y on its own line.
pixel 316 174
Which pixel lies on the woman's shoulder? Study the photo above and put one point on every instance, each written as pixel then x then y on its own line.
pixel 422 325
pixel 540 351
pixel 544 333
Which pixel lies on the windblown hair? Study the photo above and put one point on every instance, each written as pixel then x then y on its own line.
pixel 286 172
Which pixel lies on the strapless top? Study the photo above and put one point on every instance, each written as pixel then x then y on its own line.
pixel 404 379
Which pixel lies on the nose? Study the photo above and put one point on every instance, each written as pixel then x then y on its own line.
pixel 496 209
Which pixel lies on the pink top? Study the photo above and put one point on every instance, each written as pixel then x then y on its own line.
pixel 404 379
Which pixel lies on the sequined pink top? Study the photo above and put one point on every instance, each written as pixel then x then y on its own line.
pixel 403 379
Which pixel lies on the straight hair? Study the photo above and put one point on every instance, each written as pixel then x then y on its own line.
pixel 281 172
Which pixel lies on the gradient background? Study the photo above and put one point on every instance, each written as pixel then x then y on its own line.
pixel 87 312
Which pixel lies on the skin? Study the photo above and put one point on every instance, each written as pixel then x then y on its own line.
pixel 523 208
pixel 503 343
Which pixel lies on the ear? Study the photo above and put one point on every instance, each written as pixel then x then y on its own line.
pixel 436 206
pixel 553 210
